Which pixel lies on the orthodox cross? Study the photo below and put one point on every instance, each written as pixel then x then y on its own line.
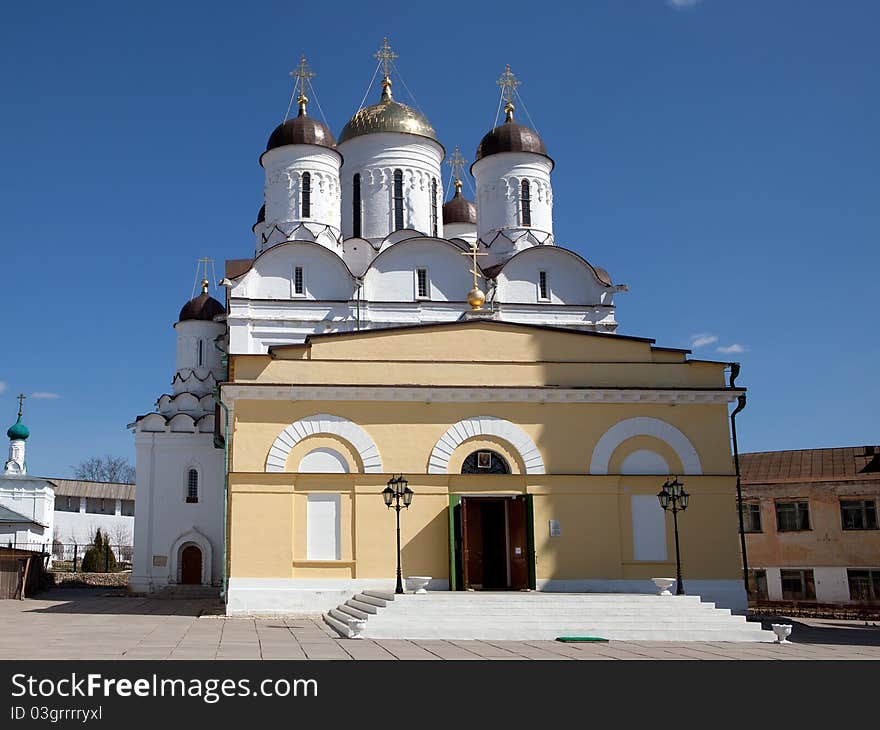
pixel 472 254
pixel 303 74
pixel 457 163
pixel 21 397
pixel 386 57
pixel 508 83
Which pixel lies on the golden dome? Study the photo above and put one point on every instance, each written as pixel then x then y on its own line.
pixel 387 116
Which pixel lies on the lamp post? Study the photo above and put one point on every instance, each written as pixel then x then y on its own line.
pixel 396 492
pixel 673 497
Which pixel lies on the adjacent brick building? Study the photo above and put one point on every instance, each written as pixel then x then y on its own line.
pixel 811 524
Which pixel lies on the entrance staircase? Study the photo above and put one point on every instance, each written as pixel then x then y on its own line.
pixel 515 616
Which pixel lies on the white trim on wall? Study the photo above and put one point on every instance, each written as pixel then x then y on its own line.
pixel 460 432
pixel 324 423
pixel 644 426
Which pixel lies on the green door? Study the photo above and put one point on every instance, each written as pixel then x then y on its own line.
pixel 454 539
pixel 530 538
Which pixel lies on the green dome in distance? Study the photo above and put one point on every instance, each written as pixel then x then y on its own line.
pixel 18 431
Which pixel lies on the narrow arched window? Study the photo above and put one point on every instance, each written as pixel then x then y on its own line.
pixel 306 195
pixel 398 200
pixel 192 486
pixel 525 200
pixel 434 207
pixel 356 206
pixel 201 353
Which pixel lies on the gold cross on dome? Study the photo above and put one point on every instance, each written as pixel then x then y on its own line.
pixel 385 56
pixel 472 254
pixel 508 83
pixel 457 163
pixel 302 75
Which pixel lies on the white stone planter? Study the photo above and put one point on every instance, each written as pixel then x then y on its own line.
pixel 417 583
pixel 663 585
pixel 357 627
pixel 782 631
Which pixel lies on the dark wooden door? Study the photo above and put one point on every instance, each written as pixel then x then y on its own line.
pixel 472 542
pixel 519 548
pixel 191 565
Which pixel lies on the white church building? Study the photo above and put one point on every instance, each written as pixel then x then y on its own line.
pixel 354 234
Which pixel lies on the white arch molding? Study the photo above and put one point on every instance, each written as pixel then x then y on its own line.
pixel 644 426
pixel 468 428
pixel 192 537
pixel 324 423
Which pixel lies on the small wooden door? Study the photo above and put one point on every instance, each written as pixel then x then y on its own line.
pixel 191 565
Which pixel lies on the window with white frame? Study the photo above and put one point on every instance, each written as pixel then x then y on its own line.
pixel 751 516
pixel 792 516
pixel 758 583
pixel 858 514
pixel 798 585
pixel 192 485
pixel 864 585
pixel 299 285
pixel 422 284
pixel 543 287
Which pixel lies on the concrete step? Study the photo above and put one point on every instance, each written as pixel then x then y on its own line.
pixel 367 597
pixel 342 616
pixel 188 591
pixel 361 606
pixel 341 628
pixel 354 612
pixel 383 595
pixel 513 634
pixel 542 616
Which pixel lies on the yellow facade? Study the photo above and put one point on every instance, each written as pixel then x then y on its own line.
pixel 567 392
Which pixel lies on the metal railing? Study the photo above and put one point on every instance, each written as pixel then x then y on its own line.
pixel 82 558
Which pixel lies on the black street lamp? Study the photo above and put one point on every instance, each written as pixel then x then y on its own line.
pixel 396 492
pixel 673 497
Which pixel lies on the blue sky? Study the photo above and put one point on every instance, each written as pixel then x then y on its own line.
pixel 720 157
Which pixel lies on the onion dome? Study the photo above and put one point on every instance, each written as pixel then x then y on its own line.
pixel 18 431
pixel 203 307
pixel 302 129
pixel 510 136
pixel 459 209
pixel 387 116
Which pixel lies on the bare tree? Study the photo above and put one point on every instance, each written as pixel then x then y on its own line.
pixel 105 469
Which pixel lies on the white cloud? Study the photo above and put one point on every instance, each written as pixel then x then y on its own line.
pixel 733 349
pixel 703 339
pixel 680 4
pixel 44 395
pixel 2 386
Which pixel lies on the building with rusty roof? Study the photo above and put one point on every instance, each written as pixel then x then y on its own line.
pixel 810 518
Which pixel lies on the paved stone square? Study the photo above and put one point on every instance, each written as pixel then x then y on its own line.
pixel 74 624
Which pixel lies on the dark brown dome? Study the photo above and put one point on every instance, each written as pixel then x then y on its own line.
pixel 459 210
pixel 511 137
pixel 204 307
pixel 301 129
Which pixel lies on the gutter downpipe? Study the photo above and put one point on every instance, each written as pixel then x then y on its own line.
pixel 741 403
pixel 218 399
